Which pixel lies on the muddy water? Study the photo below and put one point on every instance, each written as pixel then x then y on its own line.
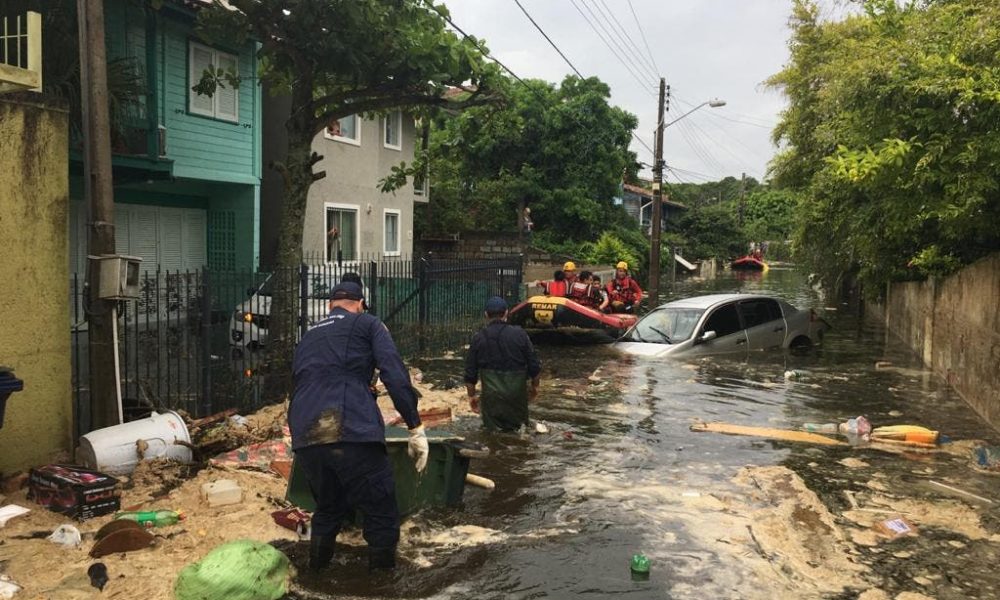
pixel 620 472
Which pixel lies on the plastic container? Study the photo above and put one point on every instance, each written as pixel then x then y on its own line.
pixel 114 449
pixel 821 427
pixel 441 484
pixel 858 426
pixel 152 518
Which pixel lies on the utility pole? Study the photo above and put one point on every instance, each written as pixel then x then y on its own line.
pixel 100 208
pixel 654 238
pixel 743 195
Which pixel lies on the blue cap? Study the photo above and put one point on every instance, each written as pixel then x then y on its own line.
pixel 347 290
pixel 496 304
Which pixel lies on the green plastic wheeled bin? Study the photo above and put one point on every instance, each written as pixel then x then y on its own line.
pixel 441 484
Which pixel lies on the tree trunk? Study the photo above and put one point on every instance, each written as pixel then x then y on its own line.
pixel 284 318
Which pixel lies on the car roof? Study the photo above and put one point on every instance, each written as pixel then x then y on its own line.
pixel 711 300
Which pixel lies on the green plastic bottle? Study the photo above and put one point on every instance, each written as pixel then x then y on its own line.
pixel 639 567
pixel 152 518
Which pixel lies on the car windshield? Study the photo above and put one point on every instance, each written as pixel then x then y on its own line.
pixel 319 285
pixel 666 325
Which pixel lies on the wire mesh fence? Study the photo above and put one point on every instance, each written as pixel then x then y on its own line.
pixel 198 340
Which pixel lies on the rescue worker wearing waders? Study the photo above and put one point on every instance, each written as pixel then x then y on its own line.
pixel 337 430
pixel 501 355
pixel 623 291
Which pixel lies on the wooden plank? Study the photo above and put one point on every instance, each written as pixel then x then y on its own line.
pixel 684 263
pixel 768 432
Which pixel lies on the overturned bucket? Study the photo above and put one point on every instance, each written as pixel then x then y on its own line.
pixel 116 450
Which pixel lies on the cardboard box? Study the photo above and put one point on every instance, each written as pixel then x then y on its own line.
pixel 74 491
pixel 895 528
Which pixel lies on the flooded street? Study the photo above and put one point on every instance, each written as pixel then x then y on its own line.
pixel 620 472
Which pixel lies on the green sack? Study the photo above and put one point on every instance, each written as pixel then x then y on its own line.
pixel 239 570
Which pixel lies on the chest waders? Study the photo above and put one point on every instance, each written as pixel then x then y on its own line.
pixel 504 399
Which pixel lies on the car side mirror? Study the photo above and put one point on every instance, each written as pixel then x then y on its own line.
pixel 708 335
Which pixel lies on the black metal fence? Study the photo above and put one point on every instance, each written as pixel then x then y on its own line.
pixel 195 340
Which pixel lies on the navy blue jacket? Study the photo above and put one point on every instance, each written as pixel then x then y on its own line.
pixel 501 346
pixel 333 367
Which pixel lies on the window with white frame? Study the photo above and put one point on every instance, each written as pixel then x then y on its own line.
pixel 341 232
pixel 224 104
pixel 392 241
pixel 393 130
pixel 346 130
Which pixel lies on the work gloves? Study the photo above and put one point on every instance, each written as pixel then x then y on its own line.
pixel 418 448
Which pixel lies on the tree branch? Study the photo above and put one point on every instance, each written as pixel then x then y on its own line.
pixel 402 102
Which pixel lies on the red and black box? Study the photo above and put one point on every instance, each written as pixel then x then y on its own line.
pixel 74 491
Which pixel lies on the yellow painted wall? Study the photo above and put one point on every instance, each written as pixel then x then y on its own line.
pixel 34 281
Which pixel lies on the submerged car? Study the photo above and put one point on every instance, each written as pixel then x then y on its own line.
pixel 721 324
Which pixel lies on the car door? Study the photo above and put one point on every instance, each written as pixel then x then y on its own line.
pixel 729 334
pixel 765 327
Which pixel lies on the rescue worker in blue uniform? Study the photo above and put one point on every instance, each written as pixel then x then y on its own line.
pixel 337 430
pixel 502 356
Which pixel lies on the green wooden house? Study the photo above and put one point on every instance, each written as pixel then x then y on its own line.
pixel 187 167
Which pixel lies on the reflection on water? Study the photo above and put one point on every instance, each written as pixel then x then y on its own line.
pixel 620 473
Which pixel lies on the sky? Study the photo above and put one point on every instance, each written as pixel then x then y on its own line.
pixel 706 49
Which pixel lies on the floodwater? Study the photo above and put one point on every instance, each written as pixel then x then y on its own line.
pixel 620 472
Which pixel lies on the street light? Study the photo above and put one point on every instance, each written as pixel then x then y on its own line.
pixel 713 103
pixel 654 241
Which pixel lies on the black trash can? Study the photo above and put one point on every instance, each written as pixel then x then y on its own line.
pixel 8 385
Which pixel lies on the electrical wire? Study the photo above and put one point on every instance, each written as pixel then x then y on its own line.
pixel 564 57
pixel 643 34
pixel 547 38
pixel 700 149
pixel 644 85
pixel 731 120
pixel 634 47
pixel 615 36
pixel 482 51
pixel 745 165
pixel 695 173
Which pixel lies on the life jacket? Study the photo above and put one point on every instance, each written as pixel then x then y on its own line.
pixel 556 288
pixel 621 290
pixel 579 291
pixel 585 294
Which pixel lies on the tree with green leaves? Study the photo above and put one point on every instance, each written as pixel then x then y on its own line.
pixel 559 150
pixel 335 58
pixel 891 138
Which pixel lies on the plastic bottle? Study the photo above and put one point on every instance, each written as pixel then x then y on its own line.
pixel 639 567
pixel 152 518
pixel 858 426
pixel 821 427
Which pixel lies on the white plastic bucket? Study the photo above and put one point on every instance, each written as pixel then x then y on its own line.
pixel 115 450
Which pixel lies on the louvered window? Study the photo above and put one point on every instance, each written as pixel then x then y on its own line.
pixel 224 104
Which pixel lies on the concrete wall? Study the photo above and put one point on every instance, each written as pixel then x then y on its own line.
pixel 34 294
pixel 954 325
pixel 352 176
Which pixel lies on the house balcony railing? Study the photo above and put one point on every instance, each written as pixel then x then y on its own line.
pixel 21 52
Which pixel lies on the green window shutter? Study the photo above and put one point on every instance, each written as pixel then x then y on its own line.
pixel 200 58
pixel 226 97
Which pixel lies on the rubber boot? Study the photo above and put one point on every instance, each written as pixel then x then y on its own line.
pixel 381 558
pixel 321 552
